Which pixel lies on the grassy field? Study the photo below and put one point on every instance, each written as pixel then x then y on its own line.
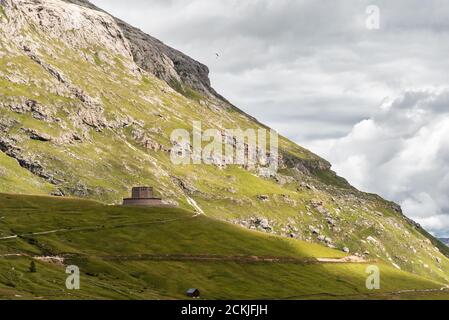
pixel 154 253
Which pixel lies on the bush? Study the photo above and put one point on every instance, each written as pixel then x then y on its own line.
pixel 33 267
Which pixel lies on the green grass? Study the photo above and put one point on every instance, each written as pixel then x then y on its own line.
pixel 109 244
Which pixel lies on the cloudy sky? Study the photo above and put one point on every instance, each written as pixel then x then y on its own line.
pixel 372 101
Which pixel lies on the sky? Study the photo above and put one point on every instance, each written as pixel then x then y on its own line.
pixel 369 95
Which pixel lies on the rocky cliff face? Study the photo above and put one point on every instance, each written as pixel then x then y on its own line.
pixel 166 63
pixel 87 107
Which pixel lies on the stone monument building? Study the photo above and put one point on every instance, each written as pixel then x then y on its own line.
pixel 143 196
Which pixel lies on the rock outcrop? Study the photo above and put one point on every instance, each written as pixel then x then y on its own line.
pixel 166 63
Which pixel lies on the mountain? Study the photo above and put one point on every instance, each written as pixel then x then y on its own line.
pixel 87 107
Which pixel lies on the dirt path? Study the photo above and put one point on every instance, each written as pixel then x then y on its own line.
pixel 233 258
pixel 60 259
pixel 349 259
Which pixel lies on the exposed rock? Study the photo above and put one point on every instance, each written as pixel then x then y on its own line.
pixel 263 198
pixel 259 223
pixel 231 190
pixel 93 117
pixel 72 24
pixel 288 200
pixel 307 186
pixel 396 207
pixel 58 193
pixel 146 141
pixel 380 214
pixel 164 62
pixel 40 112
pixel 7 123
pixel 281 179
pixel 306 166
pixel 185 185
pixel 68 138
pixel 331 221
pixel 263 223
pixel 372 240
pixel 35 135
pixel 319 206
pixel 91 112
pixel 122 122
pixel 314 230
pixel 21 105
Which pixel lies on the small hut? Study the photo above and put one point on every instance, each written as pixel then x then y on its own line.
pixel 193 293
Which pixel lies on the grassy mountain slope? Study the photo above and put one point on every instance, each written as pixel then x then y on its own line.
pixel 79 117
pixel 19 180
pixel 150 253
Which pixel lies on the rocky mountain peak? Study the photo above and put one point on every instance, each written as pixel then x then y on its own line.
pixel 166 63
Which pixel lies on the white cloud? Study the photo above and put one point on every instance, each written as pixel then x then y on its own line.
pixel 421 206
pixel 402 152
